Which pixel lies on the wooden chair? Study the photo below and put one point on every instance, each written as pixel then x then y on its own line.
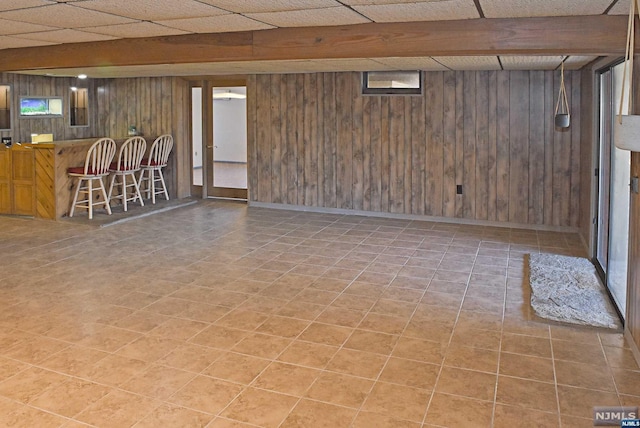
pixel 96 166
pixel 158 158
pixel 129 160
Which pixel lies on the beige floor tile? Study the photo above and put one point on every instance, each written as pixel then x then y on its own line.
pixel 149 348
pixel 524 366
pixel 243 320
pixel 471 358
pixel 73 360
pixel 527 393
pixel 340 389
pixel 70 397
pixel 262 408
pixel 383 323
pixel 580 402
pixel 370 419
pixel 398 401
pixel 237 368
pixel 35 350
pixel 584 376
pixel 10 368
pixel 357 363
pixel 282 326
pixel 410 373
pixel 420 350
pixel 193 358
pixel 262 345
pixel 113 370
pixel 526 345
pixel 578 352
pixel 228 423
pixel 219 337
pixel 454 411
pixel 118 408
pixel 169 415
pixel 309 413
pixel 28 384
pixel 428 330
pixel 369 341
pixel 325 334
pixel 206 394
pixel 467 383
pixel 308 354
pixel 286 378
pixel 341 316
pixel 477 338
pixel 621 358
pixel 29 417
pixel 179 329
pixel 510 416
pixel 158 382
pixel 627 381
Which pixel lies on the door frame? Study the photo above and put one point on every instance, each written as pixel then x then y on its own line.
pixel 207 83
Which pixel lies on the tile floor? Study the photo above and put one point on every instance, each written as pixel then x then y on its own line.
pixel 221 316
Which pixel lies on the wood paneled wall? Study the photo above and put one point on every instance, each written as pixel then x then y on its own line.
pixel 314 140
pixel 154 105
pixel 25 85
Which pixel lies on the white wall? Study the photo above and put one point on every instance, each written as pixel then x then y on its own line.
pixel 196 121
pixel 230 128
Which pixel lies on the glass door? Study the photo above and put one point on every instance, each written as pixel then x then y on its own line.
pixel 227 153
pixel 613 189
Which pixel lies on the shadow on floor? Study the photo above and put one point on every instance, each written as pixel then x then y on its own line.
pixel 102 219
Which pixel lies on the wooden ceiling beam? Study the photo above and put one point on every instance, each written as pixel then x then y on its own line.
pixel 582 35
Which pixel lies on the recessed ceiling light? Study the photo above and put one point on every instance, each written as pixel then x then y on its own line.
pixel 82 76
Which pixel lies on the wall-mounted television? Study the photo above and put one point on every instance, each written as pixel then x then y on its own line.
pixel 41 107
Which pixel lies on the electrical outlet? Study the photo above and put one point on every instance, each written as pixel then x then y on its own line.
pixel 459 189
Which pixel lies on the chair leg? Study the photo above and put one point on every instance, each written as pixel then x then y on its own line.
pixel 138 194
pixel 164 185
pixel 75 197
pixel 113 179
pixel 152 185
pixel 90 198
pixel 124 191
pixel 104 194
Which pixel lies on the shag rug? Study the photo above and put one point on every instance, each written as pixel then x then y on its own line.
pixel 567 289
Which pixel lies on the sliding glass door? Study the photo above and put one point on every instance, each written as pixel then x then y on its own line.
pixel 614 167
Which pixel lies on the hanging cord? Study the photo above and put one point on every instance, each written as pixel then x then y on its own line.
pixel 628 59
pixel 562 106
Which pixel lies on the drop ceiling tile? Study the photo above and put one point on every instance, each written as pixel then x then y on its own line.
pixel 422 11
pixel 137 29
pixel 252 6
pixel 531 8
pixel 310 17
pixel 21 4
pixel 518 62
pixel 9 42
pixel 620 8
pixel 411 63
pixel 66 36
pixel 152 10
pixel 379 2
pixel 461 63
pixel 575 62
pixel 14 27
pixel 215 24
pixel 64 15
pixel 348 64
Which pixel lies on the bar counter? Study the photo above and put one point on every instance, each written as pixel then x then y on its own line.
pixel 34 180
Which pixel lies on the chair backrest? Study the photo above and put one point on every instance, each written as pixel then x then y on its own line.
pixel 99 157
pixel 131 154
pixel 160 150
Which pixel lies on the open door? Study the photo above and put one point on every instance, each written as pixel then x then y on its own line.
pixel 219 138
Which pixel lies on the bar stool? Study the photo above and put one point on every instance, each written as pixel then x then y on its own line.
pixel 158 158
pixel 129 159
pixel 96 166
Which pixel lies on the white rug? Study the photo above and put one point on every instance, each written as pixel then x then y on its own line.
pixel 567 289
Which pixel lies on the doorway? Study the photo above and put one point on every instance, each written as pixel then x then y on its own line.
pixel 219 139
pixel 614 167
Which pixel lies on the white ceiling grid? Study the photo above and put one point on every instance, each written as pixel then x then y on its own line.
pixel 25 23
